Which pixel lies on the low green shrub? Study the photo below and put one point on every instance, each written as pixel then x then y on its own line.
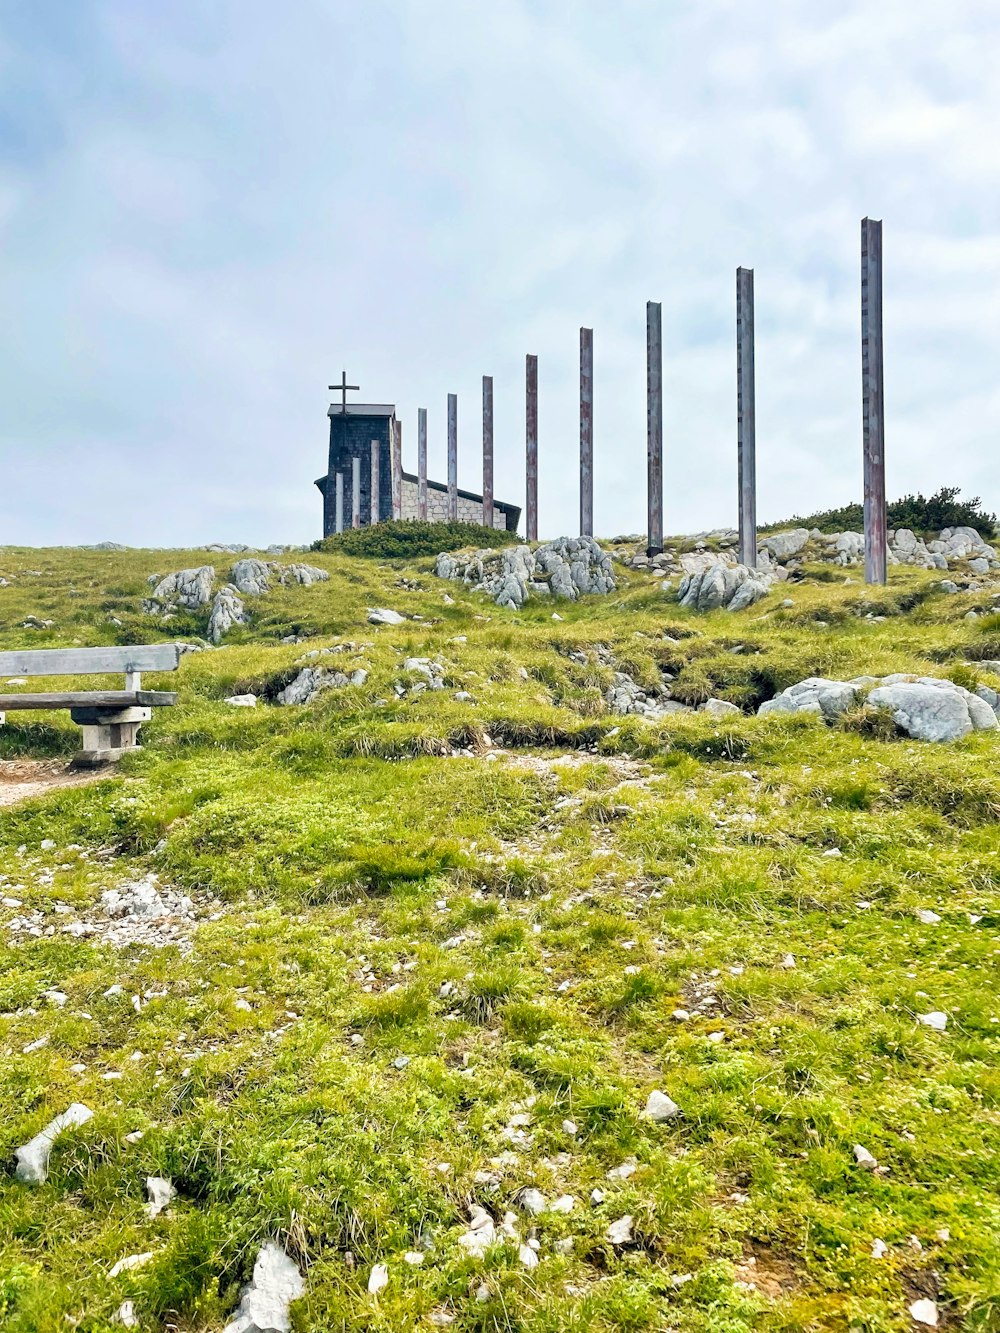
pixel 920 513
pixel 409 538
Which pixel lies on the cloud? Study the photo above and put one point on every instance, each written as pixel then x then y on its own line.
pixel 206 211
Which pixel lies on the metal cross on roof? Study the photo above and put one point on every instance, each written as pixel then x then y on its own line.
pixel 342 389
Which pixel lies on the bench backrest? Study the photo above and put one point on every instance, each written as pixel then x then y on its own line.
pixel 90 661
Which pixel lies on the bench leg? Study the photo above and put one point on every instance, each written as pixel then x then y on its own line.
pixel 107 734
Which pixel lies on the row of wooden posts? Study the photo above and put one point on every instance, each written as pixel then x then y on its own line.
pixel 746 430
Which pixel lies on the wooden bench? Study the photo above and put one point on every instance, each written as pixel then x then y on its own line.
pixel 110 718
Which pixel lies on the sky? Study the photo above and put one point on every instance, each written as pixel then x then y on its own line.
pixel 208 210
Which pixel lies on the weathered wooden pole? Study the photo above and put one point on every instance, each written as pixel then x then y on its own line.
pixel 654 429
pixel 376 457
pixel 531 447
pixel 872 394
pixel 452 457
pixel 397 469
pixel 746 418
pixel 422 462
pixel 586 432
pixel 487 451
pixel 356 491
pixel 339 511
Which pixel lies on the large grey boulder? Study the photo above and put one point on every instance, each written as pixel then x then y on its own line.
pixel 627 696
pixel 33 1157
pixel 929 709
pixel 251 577
pixel 187 588
pixel 227 611
pixel 723 585
pixel 783 545
pixel 276 1282
pixel 304 574
pixel 566 568
pixel 312 681
pixel 828 698
pixel 384 615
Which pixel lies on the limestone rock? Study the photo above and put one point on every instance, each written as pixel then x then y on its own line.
pixel 33 1157
pixel 383 615
pixel 924 1311
pixel 227 611
pixel 929 709
pixel 276 1282
pixel 660 1107
pixel 159 1193
pixel 241 701
pixel 481 1233
pixel 620 1231
pixel 719 708
pixel 829 698
pixel 306 575
pixel 251 577
pixel 782 545
pixel 723 585
pixel 188 589
pixel 566 568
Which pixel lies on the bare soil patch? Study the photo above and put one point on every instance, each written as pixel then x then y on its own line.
pixel 21 779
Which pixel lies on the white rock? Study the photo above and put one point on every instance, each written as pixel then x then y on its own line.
pixel 564 1204
pixel 532 1201
pixel 924 1311
pixel 33 1158
pixel 788 961
pixel 241 701
pixel 622 1172
pixel 660 1107
pixel 527 1256
pixel 414 1257
pixel 382 615
pixel 879 1249
pixel 620 1231
pixel 864 1158
pixel 159 1192
pixel 927 917
pixel 569 1127
pixel 126 1314
pixel 129 1262
pixel 935 1019
pixel 276 1282
pixel 55 997
pixel 378 1279
pixel 481 1233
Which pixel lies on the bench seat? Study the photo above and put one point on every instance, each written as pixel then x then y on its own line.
pixel 10 703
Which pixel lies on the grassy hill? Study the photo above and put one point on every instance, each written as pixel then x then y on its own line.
pixel 444 949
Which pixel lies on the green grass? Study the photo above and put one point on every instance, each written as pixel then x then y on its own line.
pixel 522 930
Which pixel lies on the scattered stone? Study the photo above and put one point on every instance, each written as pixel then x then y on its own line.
pixel 159 1193
pixel 241 701
pixel 925 707
pixel 926 917
pixel 188 589
pixel 382 615
pixel 378 1279
pixel 126 1314
pixel 622 1172
pixel 659 1107
pixel 620 1231
pixel 481 1233
pixel 414 1257
pixel 935 1019
pixel 129 1262
pixel 924 1311
pixel 788 961
pixel 719 708
pixel 227 611
pixel 33 1157
pixel 527 1256
pixel 864 1158
pixel 879 1249
pixel 567 568
pixel 263 1307
pixel 569 1127
pixel 734 587
pixel 532 1201
pixel 56 998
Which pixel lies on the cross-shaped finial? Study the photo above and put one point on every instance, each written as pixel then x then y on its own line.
pixel 342 389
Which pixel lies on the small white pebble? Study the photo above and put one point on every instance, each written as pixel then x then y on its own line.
pixel 927 917
pixel 569 1127
pixel 924 1311
pixel 414 1257
pixel 864 1158
pixel 879 1249
pixel 378 1278
pixel 935 1019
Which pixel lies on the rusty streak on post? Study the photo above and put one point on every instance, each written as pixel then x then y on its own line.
pixel 422 462
pixel 654 429
pixel 487 451
pixel 586 432
pixel 356 491
pixel 746 417
pixel 453 457
pixel 872 394
pixel 373 517
pixel 339 510
pixel 397 469
pixel 531 447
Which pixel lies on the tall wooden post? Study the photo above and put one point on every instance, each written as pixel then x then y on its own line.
pixel 356 491
pixel 531 447
pixel 339 512
pixel 397 469
pixel 654 429
pixel 586 432
pixel 376 457
pixel 422 462
pixel 872 393
pixel 452 457
pixel 746 417
pixel 487 451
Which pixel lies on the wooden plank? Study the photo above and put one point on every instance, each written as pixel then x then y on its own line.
pixel 452 457
pixel 872 394
pixel 586 432
pixel 487 451
pixel 374 516
pixel 654 429
pixel 531 447
pixel 11 703
pixel 422 462
pixel 396 469
pixel 746 418
pixel 89 661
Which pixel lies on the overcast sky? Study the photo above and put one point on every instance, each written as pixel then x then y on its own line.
pixel 208 209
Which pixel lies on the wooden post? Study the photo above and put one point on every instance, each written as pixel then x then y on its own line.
pixel 586 432
pixel 873 401
pixel 397 469
pixel 422 462
pixel 746 418
pixel 452 457
pixel 376 455
pixel 339 511
pixel 356 491
pixel 531 447
pixel 654 429
pixel 487 451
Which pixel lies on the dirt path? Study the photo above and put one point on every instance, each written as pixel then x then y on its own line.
pixel 20 779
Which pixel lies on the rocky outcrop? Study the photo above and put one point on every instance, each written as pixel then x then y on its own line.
pixel 33 1157
pixel 275 1284
pixel 252 577
pixel 306 575
pixel 627 696
pixel 227 611
pixel 567 568
pixel 314 680
pixel 924 707
pixel 188 589
pixel 723 585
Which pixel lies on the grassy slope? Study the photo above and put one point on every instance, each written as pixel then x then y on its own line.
pixel 573 906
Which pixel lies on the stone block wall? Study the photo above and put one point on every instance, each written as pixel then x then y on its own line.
pixel 469 511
